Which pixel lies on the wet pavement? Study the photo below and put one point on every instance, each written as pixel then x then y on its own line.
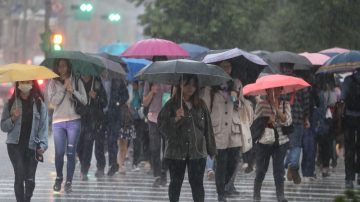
pixel 137 185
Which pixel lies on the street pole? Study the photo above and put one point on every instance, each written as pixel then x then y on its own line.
pixel 24 32
pixel 47 19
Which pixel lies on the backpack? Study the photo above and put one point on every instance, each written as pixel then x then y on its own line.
pixel 352 99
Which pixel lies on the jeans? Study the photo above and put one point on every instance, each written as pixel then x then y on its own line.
pixel 226 164
pixel 155 149
pixel 66 136
pixel 295 145
pixel 263 154
pixel 196 169
pixel 24 164
pixel 352 147
pixel 309 153
pixel 209 164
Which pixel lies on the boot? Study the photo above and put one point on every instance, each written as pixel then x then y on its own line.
pixel 280 192
pixel 257 189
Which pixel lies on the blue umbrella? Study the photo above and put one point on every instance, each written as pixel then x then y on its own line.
pixel 343 62
pixel 134 66
pixel 193 49
pixel 114 49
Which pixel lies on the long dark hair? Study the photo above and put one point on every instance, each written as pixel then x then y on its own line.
pixel 195 99
pixel 56 66
pixel 35 94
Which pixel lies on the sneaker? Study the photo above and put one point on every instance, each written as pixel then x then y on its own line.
pixel 309 179
pixel 57 185
pixel 289 174
pixel 68 187
pixel 249 169
pixel 210 175
pixel 222 198
pixel 113 169
pixel 163 181
pixel 84 176
pixel 99 173
pixel 135 168
pixel 147 167
pixel 157 182
pixel 325 174
pixel 349 184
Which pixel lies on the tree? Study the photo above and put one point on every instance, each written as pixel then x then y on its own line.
pixel 297 26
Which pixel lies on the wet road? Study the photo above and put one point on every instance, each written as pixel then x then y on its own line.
pixel 136 186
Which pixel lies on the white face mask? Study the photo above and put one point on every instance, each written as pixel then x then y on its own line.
pixel 25 88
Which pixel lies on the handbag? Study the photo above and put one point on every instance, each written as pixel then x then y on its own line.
pixel 268 137
pixel 287 130
pixel 257 128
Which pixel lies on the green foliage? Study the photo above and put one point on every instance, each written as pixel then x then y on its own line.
pixel 298 26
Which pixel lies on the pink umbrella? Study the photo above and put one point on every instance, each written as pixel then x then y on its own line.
pixel 335 50
pixel 315 58
pixel 289 84
pixel 148 48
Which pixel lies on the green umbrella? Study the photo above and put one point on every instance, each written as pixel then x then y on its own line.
pixel 82 64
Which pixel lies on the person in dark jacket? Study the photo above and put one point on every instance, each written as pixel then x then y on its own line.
pixel 25 119
pixel 189 138
pixel 91 123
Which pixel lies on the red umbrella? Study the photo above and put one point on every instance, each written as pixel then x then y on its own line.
pixel 148 48
pixel 316 58
pixel 289 84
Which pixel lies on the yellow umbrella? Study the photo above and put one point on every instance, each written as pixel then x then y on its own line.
pixel 23 72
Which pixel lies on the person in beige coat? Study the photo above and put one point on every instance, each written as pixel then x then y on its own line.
pixel 223 104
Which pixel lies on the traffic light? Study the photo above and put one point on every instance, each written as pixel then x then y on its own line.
pixel 45 44
pixel 57 42
pixel 114 17
pixel 86 7
pixel 83 11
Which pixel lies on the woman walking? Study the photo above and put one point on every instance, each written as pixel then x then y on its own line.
pixel 63 92
pixel 25 119
pixel 189 138
pixel 279 114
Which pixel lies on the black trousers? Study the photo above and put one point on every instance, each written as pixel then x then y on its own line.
pixel 263 154
pixel 196 170
pixel 226 163
pixel 141 142
pixel 352 147
pixel 24 164
pixel 159 166
pixel 325 143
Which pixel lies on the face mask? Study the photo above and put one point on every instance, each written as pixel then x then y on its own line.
pixel 25 88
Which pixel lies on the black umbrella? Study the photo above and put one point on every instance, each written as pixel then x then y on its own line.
pixel 300 62
pixel 116 59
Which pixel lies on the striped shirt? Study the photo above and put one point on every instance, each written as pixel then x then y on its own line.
pixel 263 108
pixel 300 110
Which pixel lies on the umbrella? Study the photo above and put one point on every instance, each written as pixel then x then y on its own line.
pixel 246 66
pixel 134 66
pixel 82 64
pixel 148 48
pixel 114 49
pixel 194 50
pixel 24 72
pixel 331 52
pixel 115 58
pixel 300 62
pixel 116 69
pixel 289 84
pixel 315 58
pixel 343 62
pixel 171 71
pixel 261 53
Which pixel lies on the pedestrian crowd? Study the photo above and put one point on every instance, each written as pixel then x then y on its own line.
pixel 208 131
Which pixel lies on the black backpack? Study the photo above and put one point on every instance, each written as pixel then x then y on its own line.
pixel 352 99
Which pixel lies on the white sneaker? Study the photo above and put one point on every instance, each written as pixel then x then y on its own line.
pixel 135 168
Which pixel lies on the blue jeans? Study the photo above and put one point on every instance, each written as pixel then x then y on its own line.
pixel 295 145
pixel 209 164
pixel 66 136
pixel 309 153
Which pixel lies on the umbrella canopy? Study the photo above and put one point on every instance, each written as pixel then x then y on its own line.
pixel 261 53
pixel 23 72
pixel 114 58
pixel 300 62
pixel 289 84
pixel 170 72
pixel 315 58
pixel 331 52
pixel 246 66
pixel 194 50
pixel 148 48
pixel 114 49
pixel 134 66
pixel 115 68
pixel 343 62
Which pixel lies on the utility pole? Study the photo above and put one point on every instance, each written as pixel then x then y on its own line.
pixel 45 36
pixel 24 32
